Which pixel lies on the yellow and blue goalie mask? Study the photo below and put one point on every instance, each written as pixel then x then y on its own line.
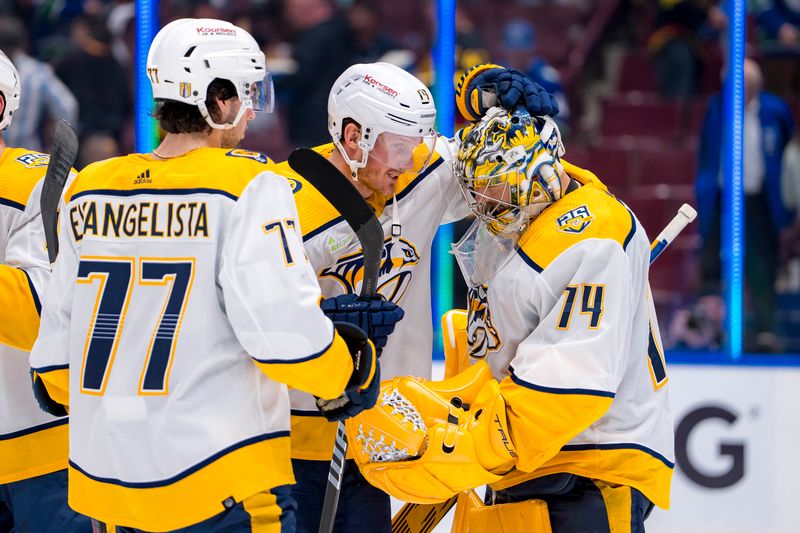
pixel 508 167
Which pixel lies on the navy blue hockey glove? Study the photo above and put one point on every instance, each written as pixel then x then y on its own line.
pixel 481 88
pixel 362 390
pixel 377 317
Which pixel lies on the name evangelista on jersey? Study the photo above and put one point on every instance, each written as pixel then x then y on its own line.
pixel 32 442
pixel 569 327
pixel 180 306
pixel 424 202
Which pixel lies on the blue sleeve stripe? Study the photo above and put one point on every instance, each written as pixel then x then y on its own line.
pixel 191 470
pixel 619 446
pixel 298 412
pixel 530 262
pixel 51 368
pixel 300 360
pixel 311 234
pixel 11 203
pixel 157 192
pixel 35 295
pixel 632 231
pixel 34 429
pixel 554 390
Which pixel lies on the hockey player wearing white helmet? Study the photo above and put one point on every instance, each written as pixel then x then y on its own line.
pixel 573 432
pixel 381 120
pixel 33 444
pixel 181 307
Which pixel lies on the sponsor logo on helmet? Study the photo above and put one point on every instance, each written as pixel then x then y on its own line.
pixel 185 89
pixel 208 30
pixel 369 80
pixel 34 160
pixel 482 336
pixel 255 156
pixel 575 221
pixel 398 260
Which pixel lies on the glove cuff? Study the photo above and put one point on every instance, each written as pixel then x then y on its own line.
pixel 466 107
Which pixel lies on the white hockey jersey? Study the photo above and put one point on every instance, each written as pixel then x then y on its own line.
pixel 180 304
pixel 569 327
pixel 424 202
pixel 32 442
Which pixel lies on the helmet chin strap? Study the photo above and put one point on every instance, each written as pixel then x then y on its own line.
pixel 354 165
pixel 201 105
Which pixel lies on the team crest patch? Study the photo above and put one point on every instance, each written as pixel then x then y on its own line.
pixel 255 156
pixel 34 160
pixel 185 89
pixel 575 221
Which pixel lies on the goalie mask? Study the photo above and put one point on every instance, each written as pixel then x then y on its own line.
pixel 508 166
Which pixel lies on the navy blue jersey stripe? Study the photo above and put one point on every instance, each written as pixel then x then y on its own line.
pixel 632 231
pixel 619 446
pixel 11 203
pixel 34 429
pixel 310 235
pixel 554 390
pixel 416 181
pixel 300 360
pixel 158 192
pixel 530 262
pixel 51 368
pixel 185 473
pixel 35 295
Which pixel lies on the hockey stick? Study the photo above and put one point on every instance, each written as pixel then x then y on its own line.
pixel 337 189
pixel 62 157
pixel 422 518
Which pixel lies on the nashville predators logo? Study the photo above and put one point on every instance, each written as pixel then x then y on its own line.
pixel 34 160
pixel 398 260
pixel 575 221
pixel 482 336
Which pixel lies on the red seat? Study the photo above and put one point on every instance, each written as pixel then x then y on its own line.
pixel 641 116
pixel 612 163
pixel 670 164
pixel 637 73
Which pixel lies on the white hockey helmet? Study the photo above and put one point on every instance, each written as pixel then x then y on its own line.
pixel 395 111
pixel 188 54
pixel 10 87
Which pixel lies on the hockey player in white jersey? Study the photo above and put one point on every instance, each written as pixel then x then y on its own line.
pixel 182 305
pixel 381 120
pixel 33 444
pixel 574 433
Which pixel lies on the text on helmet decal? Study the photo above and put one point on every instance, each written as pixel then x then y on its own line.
pixel 369 80
pixel 575 221
pixel 206 30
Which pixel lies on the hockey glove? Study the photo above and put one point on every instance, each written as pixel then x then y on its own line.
pixel 376 317
pixel 485 86
pixel 362 390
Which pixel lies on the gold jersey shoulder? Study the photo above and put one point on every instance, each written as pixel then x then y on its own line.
pixel 214 169
pixel 590 212
pixel 20 170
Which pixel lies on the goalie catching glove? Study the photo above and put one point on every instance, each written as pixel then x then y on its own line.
pixel 426 441
pixel 362 389
pixel 485 86
pixel 376 316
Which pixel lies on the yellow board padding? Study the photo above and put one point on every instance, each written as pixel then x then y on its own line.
pixel 454 340
pixel 264 511
pixel 19 322
pixel 57 384
pixel 190 500
pixel 34 454
pixel 617 499
pixel 542 423
pixel 325 376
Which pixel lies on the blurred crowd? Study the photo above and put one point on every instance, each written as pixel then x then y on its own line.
pixel 610 63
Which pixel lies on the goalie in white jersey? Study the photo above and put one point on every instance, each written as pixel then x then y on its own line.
pixel 381 120
pixel 574 431
pixel 182 305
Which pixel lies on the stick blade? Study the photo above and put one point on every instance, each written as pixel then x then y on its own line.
pixel 62 158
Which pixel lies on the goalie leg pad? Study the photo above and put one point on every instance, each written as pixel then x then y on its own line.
pixel 530 516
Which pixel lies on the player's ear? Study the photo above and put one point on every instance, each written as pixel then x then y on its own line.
pixel 352 133
pixel 2 103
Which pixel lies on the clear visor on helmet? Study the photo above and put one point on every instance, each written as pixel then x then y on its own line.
pixel 404 153
pixel 259 95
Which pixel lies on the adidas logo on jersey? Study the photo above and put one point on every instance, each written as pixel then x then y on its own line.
pixel 144 177
pixel 575 221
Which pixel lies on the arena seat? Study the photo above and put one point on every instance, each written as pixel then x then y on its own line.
pixel 640 116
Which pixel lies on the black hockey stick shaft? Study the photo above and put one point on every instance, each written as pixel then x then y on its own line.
pixel 341 194
pixel 62 158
